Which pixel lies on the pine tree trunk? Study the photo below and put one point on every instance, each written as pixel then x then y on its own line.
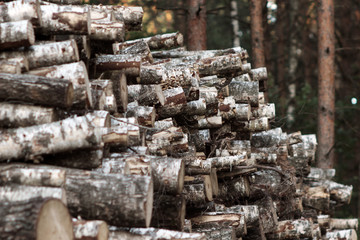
pixel 196 25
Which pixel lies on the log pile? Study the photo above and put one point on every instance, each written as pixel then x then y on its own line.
pixel 142 139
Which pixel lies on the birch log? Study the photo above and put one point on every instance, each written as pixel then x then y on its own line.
pixel 337 223
pixel 22 61
pixel 146 95
pixel 144 115
pixel 233 190
pixel 7 66
pixel 296 229
pixel 16 34
pixel 35 89
pixel 107 30
pixel 168 40
pixel 168 212
pixel 250 212
pixel 65 135
pixel 19 115
pixel 129 64
pixel 141 48
pixel 133 130
pixel 349 234
pixel 204 180
pixel 47 54
pixel 264 110
pixel 245 92
pixel 120 200
pixel 21 10
pixel 198 166
pixel 65 19
pixel 220 65
pixel 227 163
pixel 31 175
pixel 75 72
pixel 90 230
pixel 35 219
pixel 164 234
pixel 17 193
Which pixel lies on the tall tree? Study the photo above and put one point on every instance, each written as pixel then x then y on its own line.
pixel 257 33
pixel 235 23
pixel 326 86
pixel 196 25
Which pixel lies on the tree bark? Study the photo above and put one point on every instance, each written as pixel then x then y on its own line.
pixel 130 65
pixel 160 41
pixel 293 229
pixel 245 92
pixel 146 95
pixel 16 34
pixel 220 65
pixel 66 135
pixel 141 48
pixel 198 166
pixel 144 115
pixel 75 72
pixel 158 234
pixel 133 130
pixel 120 200
pixel 342 234
pixel 250 212
pixel 65 19
pixel 257 34
pixel 18 115
pixel 196 25
pixel 90 230
pixel 35 219
pixel 39 90
pixel 47 54
pixel 169 212
pixel 326 85
pixel 18 193
pixel 107 30
pixel 234 190
pixel 20 10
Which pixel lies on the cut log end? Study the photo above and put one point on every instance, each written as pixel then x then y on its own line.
pixel 149 204
pixel 181 178
pixel 69 95
pixel 54 221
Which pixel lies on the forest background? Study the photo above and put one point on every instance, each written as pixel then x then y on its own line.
pixel 291 51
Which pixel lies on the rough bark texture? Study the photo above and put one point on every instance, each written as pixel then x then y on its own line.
pixel 21 10
pixel 75 72
pixel 160 41
pixel 65 135
pixel 47 54
pixel 120 200
pixel 168 212
pixel 107 30
pixel 257 33
pixel 19 115
pixel 196 25
pixel 16 34
pixel 130 65
pixel 326 95
pixel 34 89
pixel 158 234
pixel 66 19
pixel 35 219
pixel 296 229
pixel 90 230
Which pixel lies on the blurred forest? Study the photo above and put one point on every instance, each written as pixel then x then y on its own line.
pixel 290 40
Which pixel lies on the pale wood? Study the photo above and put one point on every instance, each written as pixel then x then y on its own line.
pixel 66 135
pixel 90 230
pixel 129 198
pixel 129 64
pixel 258 74
pixel 65 19
pixel 163 124
pixel 317 197
pixel 254 125
pixel 209 122
pixel 205 180
pixel 264 110
pixel 120 89
pixel 214 182
pixel 16 34
pixel 227 163
pixel 220 65
pixel 102 96
pixel 21 10
pixel 133 130
pixel 20 115
pixel 337 223
pixel 75 72
pixel 34 89
pixel 35 219
pixel 144 115
pixel 7 66
pixel 321 174
pixel 198 166
pixel 141 48
pixel 250 212
pixel 245 92
pixel 168 40
pixel 47 54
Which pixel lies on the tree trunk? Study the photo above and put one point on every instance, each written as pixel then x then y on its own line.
pixel 130 65
pixel 39 90
pixel 235 23
pixel 90 230
pixel 20 10
pixel 66 135
pixel 18 115
pixel 196 25
pixel 16 34
pixel 47 54
pixel 257 34
pixel 65 19
pixel 326 95
pixel 75 72
pixel 35 219
pixel 160 41
pixel 120 200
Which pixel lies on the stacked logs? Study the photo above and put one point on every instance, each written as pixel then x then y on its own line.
pixel 130 140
